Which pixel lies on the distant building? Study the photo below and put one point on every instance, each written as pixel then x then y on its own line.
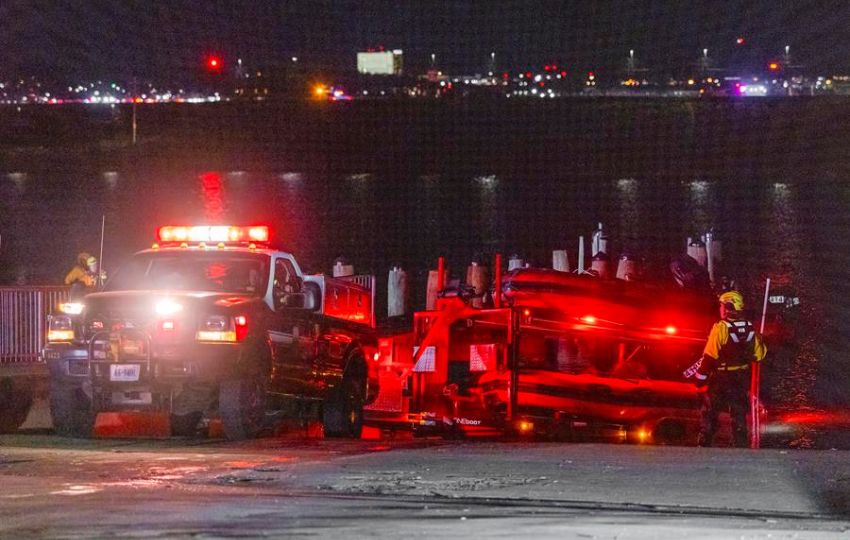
pixel 380 62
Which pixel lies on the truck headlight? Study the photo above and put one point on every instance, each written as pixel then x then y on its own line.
pixel 167 307
pixel 71 308
pixel 60 328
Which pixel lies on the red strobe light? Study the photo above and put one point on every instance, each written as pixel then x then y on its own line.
pixel 213 234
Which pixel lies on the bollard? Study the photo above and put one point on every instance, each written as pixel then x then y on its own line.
pixel 397 292
pixel 627 268
pixel 696 249
pixel 515 262
pixel 342 268
pixel 476 277
pixel 560 260
pixel 601 265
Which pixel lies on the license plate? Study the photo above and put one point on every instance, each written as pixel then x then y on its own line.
pixel 124 372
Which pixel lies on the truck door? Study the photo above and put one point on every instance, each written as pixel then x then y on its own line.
pixel 291 335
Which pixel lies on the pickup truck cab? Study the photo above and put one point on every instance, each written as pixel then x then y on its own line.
pixel 213 322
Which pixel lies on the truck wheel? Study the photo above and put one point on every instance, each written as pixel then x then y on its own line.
pixel 242 406
pixel 343 412
pixel 15 403
pixel 71 410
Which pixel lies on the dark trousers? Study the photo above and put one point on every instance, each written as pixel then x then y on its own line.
pixel 727 391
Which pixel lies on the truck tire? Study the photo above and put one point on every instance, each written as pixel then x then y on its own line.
pixel 15 404
pixel 242 406
pixel 71 410
pixel 342 413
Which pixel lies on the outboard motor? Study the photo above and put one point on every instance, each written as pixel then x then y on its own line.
pixel 689 274
pixel 627 267
pixel 601 265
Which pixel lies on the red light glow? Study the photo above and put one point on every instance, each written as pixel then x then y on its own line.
pixel 214 63
pixel 670 330
pixel 241 327
pixel 740 41
pixel 588 319
pixel 215 233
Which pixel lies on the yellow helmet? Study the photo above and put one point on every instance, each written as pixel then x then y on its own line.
pixel 733 300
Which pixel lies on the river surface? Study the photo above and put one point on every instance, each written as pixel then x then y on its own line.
pixel 405 185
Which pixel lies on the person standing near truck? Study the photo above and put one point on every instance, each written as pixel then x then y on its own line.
pixel 83 276
pixel 725 369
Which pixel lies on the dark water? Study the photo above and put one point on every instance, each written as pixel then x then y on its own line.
pixel 386 184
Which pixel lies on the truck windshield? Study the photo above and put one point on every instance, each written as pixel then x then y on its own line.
pixel 241 273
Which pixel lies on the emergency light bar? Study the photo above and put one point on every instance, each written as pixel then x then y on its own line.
pixel 213 233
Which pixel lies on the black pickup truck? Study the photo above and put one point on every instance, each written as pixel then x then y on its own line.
pixel 212 322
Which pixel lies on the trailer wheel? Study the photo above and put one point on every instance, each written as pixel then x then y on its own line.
pixel 242 406
pixel 15 404
pixel 342 413
pixel 71 410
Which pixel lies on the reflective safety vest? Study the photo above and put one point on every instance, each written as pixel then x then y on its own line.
pixel 739 350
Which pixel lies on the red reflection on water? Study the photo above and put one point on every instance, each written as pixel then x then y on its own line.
pixel 213 196
pixel 380 448
pixel 241 464
pixel 834 418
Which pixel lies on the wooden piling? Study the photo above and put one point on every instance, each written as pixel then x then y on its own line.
pixel 397 292
pixel 476 277
pixel 436 283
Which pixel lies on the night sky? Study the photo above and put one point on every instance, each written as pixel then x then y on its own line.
pixel 75 40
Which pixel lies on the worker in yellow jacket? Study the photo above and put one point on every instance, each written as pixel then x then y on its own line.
pixel 83 276
pixel 725 369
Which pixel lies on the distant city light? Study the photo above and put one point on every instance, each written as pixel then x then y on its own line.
pixel 214 63
pixel 740 40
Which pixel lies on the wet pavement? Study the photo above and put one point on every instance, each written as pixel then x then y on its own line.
pixel 299 487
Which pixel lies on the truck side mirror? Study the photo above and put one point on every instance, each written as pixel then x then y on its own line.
pixel 307 299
